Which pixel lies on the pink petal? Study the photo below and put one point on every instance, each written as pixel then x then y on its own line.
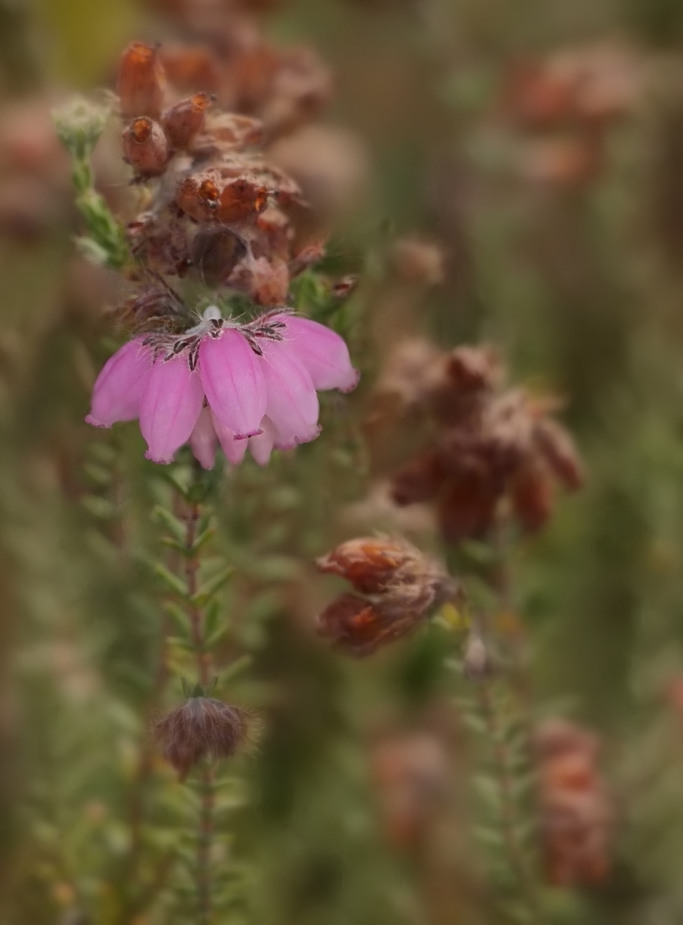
pixel 233 447
pixel 233 382
pixel 118 389
pixel 292 400
pixel 261 446
pixel 323 353
pixel 203 440
pixel 170 407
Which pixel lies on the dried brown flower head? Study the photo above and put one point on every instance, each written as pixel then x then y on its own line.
pixel 576 810
pixel 487 443
pixel 214 209
pixel 202 727
pixel 400 588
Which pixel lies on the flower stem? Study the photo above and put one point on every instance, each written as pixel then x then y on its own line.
pixel 195 613
pixel 508 814
pixel 203 662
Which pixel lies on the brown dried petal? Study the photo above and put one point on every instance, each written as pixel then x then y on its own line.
pixel 359 627
pixel 560 453
pixel 368 563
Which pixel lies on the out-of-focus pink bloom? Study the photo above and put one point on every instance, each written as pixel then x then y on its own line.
pixel 238 386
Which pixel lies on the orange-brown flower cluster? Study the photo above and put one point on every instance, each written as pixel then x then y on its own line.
pixel 217 210
pixel 576 810
pixel 489 444
pixel 567 103
pixel 398 588
pixel 230 58
pixel 201 728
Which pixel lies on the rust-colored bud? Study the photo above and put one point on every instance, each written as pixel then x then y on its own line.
pixel 184 121
pixel 241 199
pixel 202 727
pixel 145 147
pixel 141 81
pixel 198 199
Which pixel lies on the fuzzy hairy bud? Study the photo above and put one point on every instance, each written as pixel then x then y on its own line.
pixel 202 727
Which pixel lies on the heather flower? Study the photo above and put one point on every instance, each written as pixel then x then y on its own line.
pixel 242 386
pixel 202 727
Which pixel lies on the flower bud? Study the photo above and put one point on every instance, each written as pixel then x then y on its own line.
pixel 240 199
pixel 141 81
pixel 202 727
pixel 145 147
pixel 184 121
pixel 197 198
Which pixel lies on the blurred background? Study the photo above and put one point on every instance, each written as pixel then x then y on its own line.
pixel 508 174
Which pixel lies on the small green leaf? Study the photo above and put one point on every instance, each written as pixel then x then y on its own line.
pixel 172 582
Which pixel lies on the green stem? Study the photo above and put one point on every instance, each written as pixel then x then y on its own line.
pixel 203 662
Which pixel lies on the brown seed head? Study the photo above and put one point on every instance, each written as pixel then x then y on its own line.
pixel 141 81
pixel 202 727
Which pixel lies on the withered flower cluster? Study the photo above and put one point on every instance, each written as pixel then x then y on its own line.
pixel 489 444
pixel 577 816
pixel 397 587
pixel 227 55
pixel 217 211
pixel 566 104
pixel 202 728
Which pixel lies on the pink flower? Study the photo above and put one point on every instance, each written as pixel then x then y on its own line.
pixel 241 386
